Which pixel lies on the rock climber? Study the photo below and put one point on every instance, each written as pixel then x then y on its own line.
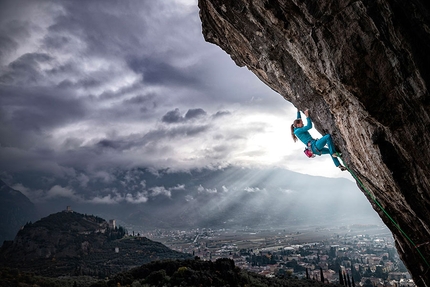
pixel 314 146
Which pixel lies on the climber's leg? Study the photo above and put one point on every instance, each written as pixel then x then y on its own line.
pixel 326 140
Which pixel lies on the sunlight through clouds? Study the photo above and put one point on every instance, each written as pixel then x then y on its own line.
pixel 96 95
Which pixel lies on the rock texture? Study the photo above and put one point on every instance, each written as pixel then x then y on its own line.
pixel 362 68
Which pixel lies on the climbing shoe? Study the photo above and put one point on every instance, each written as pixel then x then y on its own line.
pixel 342 168
pixel 337 154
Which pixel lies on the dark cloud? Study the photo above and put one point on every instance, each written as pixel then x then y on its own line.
pixel 172 133
pixel 195 113
pixel 141 99
pixel 57 42
pixel 39 108
pixel 90 89
pixel 72 143
pixel 146 105
pixel 110 144
pixel 7 45
pixel 11 30
pixel 155 71
pixel 29 61
pixel 144 141
pixel 173 117
pixel 176 117
pixel 105 27
pixel 25 70
pixel 81 83
pixel 221 114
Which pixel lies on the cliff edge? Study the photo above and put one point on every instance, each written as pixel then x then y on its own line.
pixel 362 68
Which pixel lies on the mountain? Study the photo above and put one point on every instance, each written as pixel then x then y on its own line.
pixel 231 197
pixel 257 198
pixel 70 243
pixel 15 211
pixel 362 69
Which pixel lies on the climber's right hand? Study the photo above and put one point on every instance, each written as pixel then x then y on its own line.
pixel 306 112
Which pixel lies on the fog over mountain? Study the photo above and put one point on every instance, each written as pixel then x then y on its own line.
pixel 230 198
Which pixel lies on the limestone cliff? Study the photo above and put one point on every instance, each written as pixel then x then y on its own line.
pixel 362 68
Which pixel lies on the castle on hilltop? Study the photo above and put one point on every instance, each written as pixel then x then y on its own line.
pixel 112 223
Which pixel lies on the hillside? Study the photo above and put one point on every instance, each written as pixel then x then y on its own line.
pixel 69 243
pixel 222 272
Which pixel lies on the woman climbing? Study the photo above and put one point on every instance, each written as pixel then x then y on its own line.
pixel 316 146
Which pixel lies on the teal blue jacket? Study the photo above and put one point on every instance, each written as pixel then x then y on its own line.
pixel 303 133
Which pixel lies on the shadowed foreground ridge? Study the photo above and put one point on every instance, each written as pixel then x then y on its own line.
pixel 73 244
pixel 362 68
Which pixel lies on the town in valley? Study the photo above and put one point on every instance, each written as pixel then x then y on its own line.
pixel 363 254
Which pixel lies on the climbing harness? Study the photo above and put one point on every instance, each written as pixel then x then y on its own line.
pixel 309 149
pixel 313 145
pixel 385 212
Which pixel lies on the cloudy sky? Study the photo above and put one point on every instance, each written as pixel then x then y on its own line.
pixel 87 87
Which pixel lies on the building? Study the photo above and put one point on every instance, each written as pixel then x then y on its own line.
pixel 112 224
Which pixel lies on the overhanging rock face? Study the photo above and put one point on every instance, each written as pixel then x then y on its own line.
pixel 362 68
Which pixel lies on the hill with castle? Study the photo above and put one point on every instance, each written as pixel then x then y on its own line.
pixel 72 249
pixel 70 243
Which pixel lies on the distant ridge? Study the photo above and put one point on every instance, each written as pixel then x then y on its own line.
pixel 70 243
pixel 231 197
pixel 15 211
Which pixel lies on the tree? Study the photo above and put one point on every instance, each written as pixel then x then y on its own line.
pixel 379 272
pixel 158 277
pixel 332 252
pixel 322 275
pixel 368 283
pixel 335 265
pixel 368 272
pixel 341 278
pixel 355 274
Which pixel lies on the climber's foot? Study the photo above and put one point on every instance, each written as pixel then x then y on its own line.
pixel 342 168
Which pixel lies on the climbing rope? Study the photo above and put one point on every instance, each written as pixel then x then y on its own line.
pixel 385 212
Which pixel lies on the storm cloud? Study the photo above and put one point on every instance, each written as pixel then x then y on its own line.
pixel 94 89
